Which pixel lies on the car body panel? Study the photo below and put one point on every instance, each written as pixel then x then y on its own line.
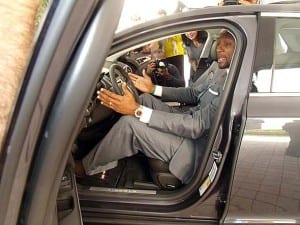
pixel 60 81
pixel 266 181
pixel 31 107
pixel 65 24
pixel 265 188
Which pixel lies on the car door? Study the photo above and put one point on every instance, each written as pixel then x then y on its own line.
pixel 37 147
pixel 265 188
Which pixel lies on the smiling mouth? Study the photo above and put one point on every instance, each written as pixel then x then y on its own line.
pixel 221 59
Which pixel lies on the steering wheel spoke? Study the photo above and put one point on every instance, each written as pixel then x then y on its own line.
pixel 117 77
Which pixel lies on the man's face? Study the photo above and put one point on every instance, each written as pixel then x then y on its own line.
pixel 162 71
pixel 156 52
pixel 225 49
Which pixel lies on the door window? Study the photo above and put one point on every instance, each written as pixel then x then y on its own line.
pixel 284 75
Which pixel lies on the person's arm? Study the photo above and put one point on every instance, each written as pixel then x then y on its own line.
pixel 175 77
pixel 17 27
pixel 185 125
pixel 175 82
pixel 187 95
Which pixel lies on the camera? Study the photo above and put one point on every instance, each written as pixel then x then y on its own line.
pixel 160 64
pixel 231 2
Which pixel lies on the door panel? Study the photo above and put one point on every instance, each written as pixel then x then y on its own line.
pixel 56 41
pixel 267 178
pixel 79 71
pixel 68 208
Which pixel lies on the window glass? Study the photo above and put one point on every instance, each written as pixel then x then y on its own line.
pixel 284 75
pixel 139 11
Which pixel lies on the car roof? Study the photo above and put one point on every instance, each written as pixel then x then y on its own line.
pixel 279 7
pixel 211 11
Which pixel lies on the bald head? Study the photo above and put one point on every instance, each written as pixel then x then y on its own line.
pixel 225 49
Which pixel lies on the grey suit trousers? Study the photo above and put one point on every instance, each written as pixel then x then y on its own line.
pixel 130 136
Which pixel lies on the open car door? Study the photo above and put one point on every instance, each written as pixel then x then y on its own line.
pixel 38 145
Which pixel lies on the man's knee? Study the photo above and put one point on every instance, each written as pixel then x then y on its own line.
pixel 129 124
pixel 127 120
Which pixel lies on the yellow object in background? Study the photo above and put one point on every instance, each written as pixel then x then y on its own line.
pixel 173 46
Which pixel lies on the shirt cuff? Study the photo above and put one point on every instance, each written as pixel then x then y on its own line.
pixel 157 90
pixel 146 114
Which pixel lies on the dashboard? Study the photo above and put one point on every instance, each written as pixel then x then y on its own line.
pixel 95 113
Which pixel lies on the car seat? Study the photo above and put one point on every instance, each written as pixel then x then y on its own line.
pixel 159 170
pixel 162 176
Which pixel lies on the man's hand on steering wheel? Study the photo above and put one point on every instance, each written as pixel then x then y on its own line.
pixel 124 104
pixel 142 83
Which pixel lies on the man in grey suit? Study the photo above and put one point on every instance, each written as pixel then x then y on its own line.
pixel 158 130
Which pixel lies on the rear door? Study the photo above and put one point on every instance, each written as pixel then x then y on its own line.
pixel 266 182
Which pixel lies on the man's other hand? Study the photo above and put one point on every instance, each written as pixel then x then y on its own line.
pixel 142 83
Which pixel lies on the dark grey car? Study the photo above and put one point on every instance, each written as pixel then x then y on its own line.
pixel 250 170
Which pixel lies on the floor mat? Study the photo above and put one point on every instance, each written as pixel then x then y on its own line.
pixel 129 170
pixel 111 177
pixel 136 169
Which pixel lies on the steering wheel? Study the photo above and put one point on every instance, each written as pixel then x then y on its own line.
pixel 117 77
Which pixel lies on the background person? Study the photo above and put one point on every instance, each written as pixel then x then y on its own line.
pixel 193 42
pixel 161 72
pixel 242 2
pixel 174 51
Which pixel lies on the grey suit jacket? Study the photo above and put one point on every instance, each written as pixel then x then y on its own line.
pixel 205 95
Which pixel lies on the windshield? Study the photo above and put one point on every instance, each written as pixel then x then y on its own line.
pixel 140 11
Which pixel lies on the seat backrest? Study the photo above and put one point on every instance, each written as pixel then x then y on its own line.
pixel 205 61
